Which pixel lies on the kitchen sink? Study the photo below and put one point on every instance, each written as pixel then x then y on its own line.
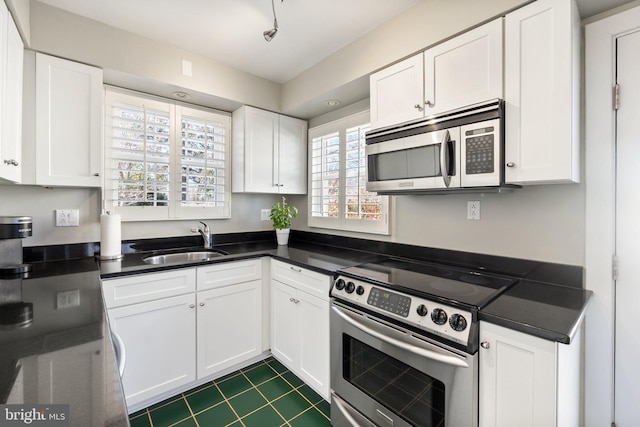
pixel 184 257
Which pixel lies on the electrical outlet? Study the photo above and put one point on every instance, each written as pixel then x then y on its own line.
pixel 68 299
pixel 473 210
pixel 264 214
pixel 67 217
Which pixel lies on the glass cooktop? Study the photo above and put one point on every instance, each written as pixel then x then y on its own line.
pixel 448 284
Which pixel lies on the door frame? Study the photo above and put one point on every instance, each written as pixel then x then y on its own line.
pixel 600 166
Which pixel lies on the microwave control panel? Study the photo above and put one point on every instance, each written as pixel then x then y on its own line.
pixel 480 144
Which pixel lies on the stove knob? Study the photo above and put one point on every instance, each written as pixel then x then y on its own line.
pixel 439 316
pixel 422 310
pixel 458 322
pixel 360 290
pixel 340 284
pixel 350 287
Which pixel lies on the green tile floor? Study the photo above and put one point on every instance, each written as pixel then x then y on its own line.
pixel 265 394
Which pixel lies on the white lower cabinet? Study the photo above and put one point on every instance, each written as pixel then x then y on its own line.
pixel 229 316
pixel 300 323
pixel 160 342
pixel 527 381
pixel 182 326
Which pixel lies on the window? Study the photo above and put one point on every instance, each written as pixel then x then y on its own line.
pixel 165 161
pixel 338 198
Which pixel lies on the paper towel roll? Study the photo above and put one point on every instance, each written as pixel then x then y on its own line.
pixel 110 235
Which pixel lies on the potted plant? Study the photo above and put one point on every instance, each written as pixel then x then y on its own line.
pixel 281 216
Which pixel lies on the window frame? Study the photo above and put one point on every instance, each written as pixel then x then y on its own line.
pixel 343 223
pixel 174 210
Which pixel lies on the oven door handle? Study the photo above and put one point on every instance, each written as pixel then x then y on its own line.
pixel 342 406
pixel 444 158
pixel 419 348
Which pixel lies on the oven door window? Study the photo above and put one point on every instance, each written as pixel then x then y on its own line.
pixel 418 162
pixel 413 395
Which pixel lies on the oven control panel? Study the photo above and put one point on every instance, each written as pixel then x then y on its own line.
pixel 440 319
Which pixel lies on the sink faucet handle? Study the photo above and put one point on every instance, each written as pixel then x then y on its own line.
pixel 206 227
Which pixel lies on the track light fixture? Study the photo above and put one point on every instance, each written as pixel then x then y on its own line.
pixel 270 34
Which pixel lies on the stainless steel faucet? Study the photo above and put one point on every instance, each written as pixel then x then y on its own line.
pixel 205 233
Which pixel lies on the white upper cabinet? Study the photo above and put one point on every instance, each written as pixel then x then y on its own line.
pixel 397 93
pixel 11 54
pixel 542 93
pixel 269 153
pixel 465 70
pixel 462 71
pixel 68 123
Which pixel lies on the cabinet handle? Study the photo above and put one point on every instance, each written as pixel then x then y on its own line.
pixel 297 270
pixel 293 300
pixel 201 304
pixel 429 104
pixel 96 174
pixel 192 306
pixel 485 344
pixel 11 162
pixel 510 164
pixel 418 107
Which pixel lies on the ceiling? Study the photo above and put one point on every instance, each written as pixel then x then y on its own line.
pixel 230 31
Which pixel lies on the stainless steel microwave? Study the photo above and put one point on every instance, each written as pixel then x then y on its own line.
pixel 460 150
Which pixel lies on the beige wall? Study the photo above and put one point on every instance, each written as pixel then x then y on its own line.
pixel 543 223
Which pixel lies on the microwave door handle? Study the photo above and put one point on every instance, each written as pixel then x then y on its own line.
pixel 444 159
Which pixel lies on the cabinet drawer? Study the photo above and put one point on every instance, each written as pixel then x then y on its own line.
pixel 229 273
pixel 148 287
pixel 300 278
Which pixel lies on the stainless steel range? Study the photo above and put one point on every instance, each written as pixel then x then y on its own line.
pixel 404 344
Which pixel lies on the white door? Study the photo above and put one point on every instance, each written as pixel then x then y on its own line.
pixel 465 70
pixel 397 93
pixel 627 291
pixel 229 326
pixel 284 327
pixel 160 341
pixel 313 320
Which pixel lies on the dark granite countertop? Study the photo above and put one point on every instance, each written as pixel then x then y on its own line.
pixel 75 344
pixel 534 305
pixel 321 258
pixel 65 356
pixel 547 311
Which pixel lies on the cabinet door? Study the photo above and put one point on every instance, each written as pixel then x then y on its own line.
pixel 261 134
pixel 229 326
pixel 292 156
pixel 11 142
pixel 517 379
pixel 68 123
pixel 397 93
pixel 542 87
pixel 284 326
pixel 313 320
pixel 160 343
pixel 464 70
